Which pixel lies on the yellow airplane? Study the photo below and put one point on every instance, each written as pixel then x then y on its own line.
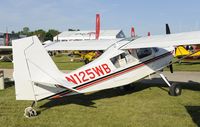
pixel 87 56
pixel 182 51
pixel 189 50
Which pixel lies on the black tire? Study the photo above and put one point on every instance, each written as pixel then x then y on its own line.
pixel 30 112
pixel 175 90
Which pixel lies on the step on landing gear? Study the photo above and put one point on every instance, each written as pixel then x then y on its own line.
pixel 29 111
pixel 174 89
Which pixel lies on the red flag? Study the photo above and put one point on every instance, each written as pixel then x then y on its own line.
pixel 7 39
pixel 149 34
pixel 132 32
pixel 97 26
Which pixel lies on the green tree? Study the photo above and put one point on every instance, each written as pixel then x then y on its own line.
pixel 40 33
pixel 48 36
pixel 25 31
pixel 53 32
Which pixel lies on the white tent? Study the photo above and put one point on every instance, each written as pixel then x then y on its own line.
pixel 88 35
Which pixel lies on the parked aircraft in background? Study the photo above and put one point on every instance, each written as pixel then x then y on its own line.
pixel 5 49
pixel 5 53
pixel 193 51
pixel 182 51
pixel 6 45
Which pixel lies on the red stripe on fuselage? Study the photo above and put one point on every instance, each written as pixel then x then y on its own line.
pixel 81 87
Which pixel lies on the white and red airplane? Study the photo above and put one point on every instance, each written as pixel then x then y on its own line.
pixel 123 62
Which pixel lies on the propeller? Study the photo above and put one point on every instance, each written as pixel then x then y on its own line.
pixel 171 68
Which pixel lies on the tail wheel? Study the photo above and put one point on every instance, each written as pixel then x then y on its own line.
pixel 175 90
pixel 30 112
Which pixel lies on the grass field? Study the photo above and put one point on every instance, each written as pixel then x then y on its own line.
pixel 63 62
pixel 148 105
pixel 145 106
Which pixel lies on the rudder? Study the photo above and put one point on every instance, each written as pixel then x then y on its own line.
pixel 35 73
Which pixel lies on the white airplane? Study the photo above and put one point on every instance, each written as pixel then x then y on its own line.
pixel 123 62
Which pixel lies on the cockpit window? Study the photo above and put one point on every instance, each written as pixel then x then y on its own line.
pixel 155 49
pixel 121 60
pixel 143 52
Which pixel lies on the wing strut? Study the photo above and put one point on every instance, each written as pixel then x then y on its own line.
pixel 165 79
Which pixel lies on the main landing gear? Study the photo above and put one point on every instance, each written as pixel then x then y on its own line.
pixel 29 111
pixel 174 89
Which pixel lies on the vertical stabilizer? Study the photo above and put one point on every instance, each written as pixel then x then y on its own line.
pixel 35 73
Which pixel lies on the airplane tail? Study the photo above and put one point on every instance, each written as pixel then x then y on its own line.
pixel 167 29
pixel 36 75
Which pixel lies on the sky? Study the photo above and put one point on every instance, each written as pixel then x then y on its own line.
pixel 145 15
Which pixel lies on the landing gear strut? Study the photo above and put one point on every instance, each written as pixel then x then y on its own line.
pixel 29 111
pixel 174 89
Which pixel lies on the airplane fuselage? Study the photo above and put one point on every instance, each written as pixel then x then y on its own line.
pixel 116 67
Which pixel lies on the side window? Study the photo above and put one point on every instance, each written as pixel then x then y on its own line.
pixel 119 60
pixel 127 57
pixel 143 52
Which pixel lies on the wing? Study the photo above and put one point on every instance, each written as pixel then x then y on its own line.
pixel 81 45
pixel 5 48
pixel 188 38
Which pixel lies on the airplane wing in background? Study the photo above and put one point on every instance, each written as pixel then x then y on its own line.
pixel 5 53
pixel 189 38
pixel 6 48
pixel 81 45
